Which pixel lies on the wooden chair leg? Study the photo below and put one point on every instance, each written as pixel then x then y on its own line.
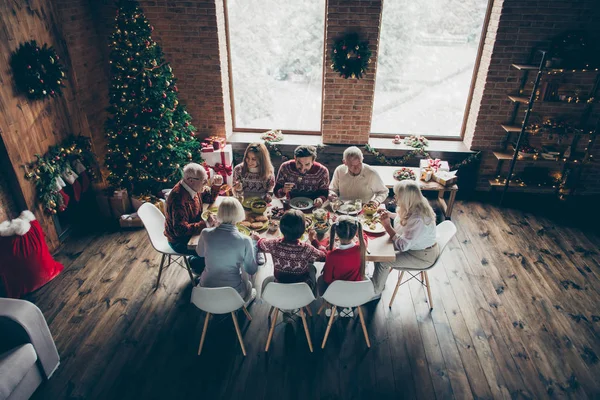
pixel 272 329
pixel 206 319
pixel 329 326
pixel 247 313
pixel 307 308
pixel 428 291
pixel 396 289
pixel 306 330
pixel 189 269
pixel 271 311
pixel 322 307
pixel 239 333
pixel 364 327
pixel 162 262
pixel 422 279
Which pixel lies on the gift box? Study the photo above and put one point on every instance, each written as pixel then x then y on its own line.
pixel 435 164
pixel 103 205
pixel 426 174
pixel 119 203
pixel 220 161
pixel 445 178
pixel 137 201
pixel 214 142
pixel 131 221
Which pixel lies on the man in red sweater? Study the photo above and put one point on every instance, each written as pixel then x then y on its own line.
pixel 303 177
pixel 184 209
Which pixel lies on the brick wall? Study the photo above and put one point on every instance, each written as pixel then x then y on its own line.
pixel 516 27
pixel 347 103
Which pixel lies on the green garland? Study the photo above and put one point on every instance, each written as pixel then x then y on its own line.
pixel 45 169
pixel 400 161
pixel 37 71
pixel 350 56
pixel 396 161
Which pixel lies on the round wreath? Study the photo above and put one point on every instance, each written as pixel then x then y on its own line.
pixel 37 71
pixel 350 56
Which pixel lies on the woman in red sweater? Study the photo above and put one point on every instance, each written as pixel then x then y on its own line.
pixel 347 261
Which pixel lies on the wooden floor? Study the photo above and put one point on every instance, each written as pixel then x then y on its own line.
pixel 516 315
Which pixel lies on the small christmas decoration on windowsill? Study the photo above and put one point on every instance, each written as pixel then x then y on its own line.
pixel 416 141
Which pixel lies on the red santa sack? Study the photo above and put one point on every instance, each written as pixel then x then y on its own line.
pixel 25 262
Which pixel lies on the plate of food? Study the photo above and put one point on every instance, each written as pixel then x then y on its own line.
pixel 257 223
pixel 372 224
pixel 243 229
pixel 301 203
pixel 247 202
pixel 210 211
pixel 349 208
pixel 322 227
pixel 277 212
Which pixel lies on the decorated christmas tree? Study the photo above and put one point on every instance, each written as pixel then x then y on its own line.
pixel 150 136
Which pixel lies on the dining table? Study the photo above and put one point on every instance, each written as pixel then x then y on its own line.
pixel 379 248
pixel 387 176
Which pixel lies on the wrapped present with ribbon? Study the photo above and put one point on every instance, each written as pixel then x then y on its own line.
pixel 221 163
pixel 119 203
pixel 216 142
pixel 137 201
pixel 435 164
pixel 130 221
pixel 426 174
pixel 445 178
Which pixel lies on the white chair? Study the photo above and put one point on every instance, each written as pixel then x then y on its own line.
pixel 220 300
pixel 445 231
pixel 154 222
pixel 348 294
pixel 288 296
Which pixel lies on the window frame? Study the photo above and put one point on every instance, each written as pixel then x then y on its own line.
pixel 461 137
pixel 235 128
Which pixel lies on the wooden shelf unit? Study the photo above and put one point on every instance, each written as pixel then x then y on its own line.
pixel 514 129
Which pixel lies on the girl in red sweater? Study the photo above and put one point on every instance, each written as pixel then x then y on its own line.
pixel 347 261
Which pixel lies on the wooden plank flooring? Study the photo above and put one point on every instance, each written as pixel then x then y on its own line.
pixel 515 316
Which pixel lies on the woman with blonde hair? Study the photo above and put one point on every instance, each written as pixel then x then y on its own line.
pixel 254 177
pixel 230 257
pixel 413 233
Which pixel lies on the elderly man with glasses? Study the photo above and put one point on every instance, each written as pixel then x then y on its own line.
pixel 184 209
pixel 356 180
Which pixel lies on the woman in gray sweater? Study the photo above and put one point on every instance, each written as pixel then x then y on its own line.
pixel 230 257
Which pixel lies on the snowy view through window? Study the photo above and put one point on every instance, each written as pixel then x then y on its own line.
pixel 426 58
pixel 277 63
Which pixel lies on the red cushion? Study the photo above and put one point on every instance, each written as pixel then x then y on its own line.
pixel 26 263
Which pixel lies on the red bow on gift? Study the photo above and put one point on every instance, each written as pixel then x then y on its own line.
pixel 223 170
pixel 435 164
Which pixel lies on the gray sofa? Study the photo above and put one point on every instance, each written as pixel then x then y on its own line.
pixel 28 355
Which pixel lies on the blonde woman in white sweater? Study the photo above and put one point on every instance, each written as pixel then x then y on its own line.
pixel 413 233
pixel 356 180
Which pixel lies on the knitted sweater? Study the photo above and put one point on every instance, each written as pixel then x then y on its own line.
pixel 182 219
pixel 343 265
pixel 365 186
pixel 314 184
pixel 253 183
pixel 291 261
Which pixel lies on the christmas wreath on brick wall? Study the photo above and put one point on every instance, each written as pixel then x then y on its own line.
pixel 37 70
pixel 350 56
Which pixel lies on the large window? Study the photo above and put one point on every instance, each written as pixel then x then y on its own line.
pixel 276 50
pixel 427 53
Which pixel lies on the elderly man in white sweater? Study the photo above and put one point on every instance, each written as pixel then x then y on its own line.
pixel 356 180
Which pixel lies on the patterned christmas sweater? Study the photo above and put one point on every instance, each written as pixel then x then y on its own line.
pixel 182 219
pixel 314 184
pixel 253 183
pixel 291 260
